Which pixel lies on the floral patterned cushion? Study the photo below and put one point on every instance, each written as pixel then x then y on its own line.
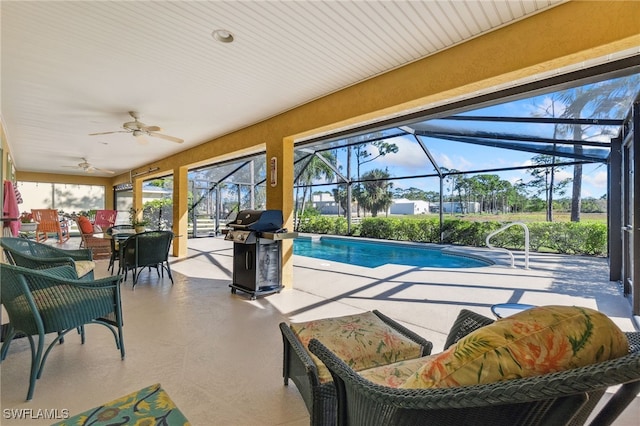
pixel 537 341
pixel 394 375
pixel 362 341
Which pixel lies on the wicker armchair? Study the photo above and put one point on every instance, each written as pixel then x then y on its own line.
pixel 561 398
pixel 99 246
pixel 320 398
pixel 33 255
pixel 146 250
pixel 54 301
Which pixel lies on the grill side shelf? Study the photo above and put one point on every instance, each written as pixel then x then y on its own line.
pixel 277 236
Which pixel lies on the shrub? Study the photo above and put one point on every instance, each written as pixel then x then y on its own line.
pixel 561 237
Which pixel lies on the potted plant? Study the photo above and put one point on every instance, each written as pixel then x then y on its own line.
pixel 26 222
pixel 137 220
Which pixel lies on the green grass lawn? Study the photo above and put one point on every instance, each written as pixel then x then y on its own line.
pixel 528 217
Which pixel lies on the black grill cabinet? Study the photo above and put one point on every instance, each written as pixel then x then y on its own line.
pixel 257 251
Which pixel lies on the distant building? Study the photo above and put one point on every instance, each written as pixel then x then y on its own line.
pixel 324 203
pixel 404 206
pixel 460 207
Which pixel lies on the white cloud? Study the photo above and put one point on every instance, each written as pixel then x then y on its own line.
pixel 598 180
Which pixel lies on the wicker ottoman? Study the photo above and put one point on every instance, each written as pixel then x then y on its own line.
pixel 375 339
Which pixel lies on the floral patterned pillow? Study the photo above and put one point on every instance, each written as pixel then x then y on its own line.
pixel 537 341
pixel 362 341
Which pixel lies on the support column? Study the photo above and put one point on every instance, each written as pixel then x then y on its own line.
pixel 180 211
pixel 137 196
pixel 280 196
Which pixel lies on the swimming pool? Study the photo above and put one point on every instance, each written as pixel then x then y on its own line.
pixel 372 254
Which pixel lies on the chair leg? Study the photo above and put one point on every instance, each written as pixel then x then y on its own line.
pixel 36 356
pixel 7 341
pixel 168 270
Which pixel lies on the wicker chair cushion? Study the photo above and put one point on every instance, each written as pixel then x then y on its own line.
pixel 83 267
pixel 362 341
pixel 394 375
pixel 85 225
pixel 537 341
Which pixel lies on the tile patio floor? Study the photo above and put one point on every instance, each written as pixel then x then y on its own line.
pixel 219 355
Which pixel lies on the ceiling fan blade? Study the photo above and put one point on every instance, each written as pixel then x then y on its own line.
pixel 104 170
pixel 167 137
pixel 141 139
pixel 108 133
pixel 152 129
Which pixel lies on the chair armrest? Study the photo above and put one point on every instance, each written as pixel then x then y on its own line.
pixel 466 322
pixel 78 254
pixel 292 342
pixel 427 346
pixel 38 263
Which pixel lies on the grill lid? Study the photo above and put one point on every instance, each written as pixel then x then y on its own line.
pixel 258 220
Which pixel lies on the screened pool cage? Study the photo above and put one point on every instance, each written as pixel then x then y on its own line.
pixel 480 156
pixel 521 149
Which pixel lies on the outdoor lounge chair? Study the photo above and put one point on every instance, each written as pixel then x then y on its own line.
pixel 318 394
pixel 561 398
pixel 54 301
pixel 320 397
pixel 33 255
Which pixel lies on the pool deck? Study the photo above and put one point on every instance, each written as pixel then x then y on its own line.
pixel 219 355
pixel 427 300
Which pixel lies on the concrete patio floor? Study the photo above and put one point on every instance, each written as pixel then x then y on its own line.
pixel 219 355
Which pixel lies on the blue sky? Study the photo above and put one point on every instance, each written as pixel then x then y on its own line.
pixel 410 159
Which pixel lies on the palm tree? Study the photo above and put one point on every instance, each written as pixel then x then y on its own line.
pixel 314 170
pixel 606 100
pixel 376 194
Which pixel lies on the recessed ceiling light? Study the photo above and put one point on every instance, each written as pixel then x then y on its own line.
pixel 223 36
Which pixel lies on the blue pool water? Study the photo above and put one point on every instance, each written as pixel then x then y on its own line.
pixel 372 254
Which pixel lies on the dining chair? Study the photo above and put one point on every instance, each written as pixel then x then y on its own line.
pixel 117 234
pixel 146 250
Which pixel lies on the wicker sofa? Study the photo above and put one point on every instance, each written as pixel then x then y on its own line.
pixel 560 398
pixel 319 396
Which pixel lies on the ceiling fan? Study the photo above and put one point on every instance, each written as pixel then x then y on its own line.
pixel 140 130
pixel 89 168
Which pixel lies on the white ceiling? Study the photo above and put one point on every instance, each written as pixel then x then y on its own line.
pixel 71 68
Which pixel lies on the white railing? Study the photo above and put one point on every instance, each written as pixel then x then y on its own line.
pixel 526 243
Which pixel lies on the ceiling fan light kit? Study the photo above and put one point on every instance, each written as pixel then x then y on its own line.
pixel 139 129
pixel 89 168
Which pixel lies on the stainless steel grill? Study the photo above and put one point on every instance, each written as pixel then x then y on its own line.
pixel 257 251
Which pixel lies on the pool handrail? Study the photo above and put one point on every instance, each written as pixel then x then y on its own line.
pixel 526 242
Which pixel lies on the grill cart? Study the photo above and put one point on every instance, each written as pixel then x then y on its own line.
pixel 257 251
